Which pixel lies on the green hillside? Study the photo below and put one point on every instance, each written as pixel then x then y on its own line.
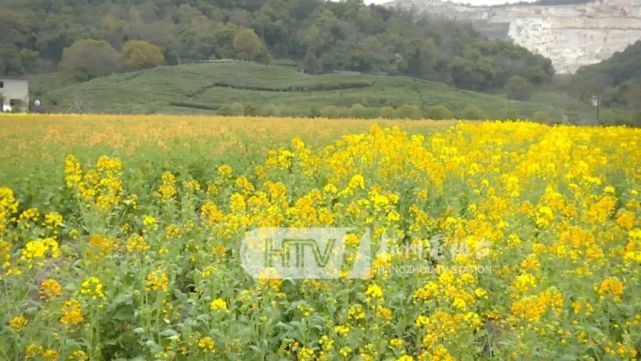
pixel 617 81
pixel 87 39
pixel 241 88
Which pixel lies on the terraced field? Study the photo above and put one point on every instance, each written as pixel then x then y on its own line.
pixel 268 89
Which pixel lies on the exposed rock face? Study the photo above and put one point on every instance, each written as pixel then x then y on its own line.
pixel 570 35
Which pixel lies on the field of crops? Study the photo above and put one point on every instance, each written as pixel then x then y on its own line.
pixel 120 239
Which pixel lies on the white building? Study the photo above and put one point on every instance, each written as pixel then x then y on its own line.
pixel 14 93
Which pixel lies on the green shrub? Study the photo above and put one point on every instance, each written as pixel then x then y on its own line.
pixel 270 110
pixel 439 112
pixel 509 113
pixel 314 112
pixel 541 116
pixel 372 112
pixel 357 111
pixel 344 112
pixel 250 109
pixel 409 112
pixel 472 112
pixel 611 116
pixel 387 112
pixel 236 109
pixel 519 88
pixel 331 111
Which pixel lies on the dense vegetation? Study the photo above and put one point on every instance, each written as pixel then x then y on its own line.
pixel 241 88
pixel 40 35
pixel 617 80
pixel 121 239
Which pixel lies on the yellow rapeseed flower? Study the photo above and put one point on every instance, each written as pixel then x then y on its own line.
pixel 357 182
pixel 342 330
pixel 157 281
pixel 53 219
pixel 18 322
pixel 218 304
pixel 207 344
pixel 374 291
pixel 306 354
pixel 92 287
pixel 167 189
pixel 611 286
pixel 72 313
pixel 49 289
pixel 225 170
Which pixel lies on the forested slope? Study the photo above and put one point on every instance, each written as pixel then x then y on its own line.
pixel 36 36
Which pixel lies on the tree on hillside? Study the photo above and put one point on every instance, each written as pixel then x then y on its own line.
pixel 15 58
pixel 519 88
pixel 320 36
pixel 509 113
pixel 537 75
pixel 387 112
pixel 330 111
pixel 223 39
pixel 473 112
pixel 424 55
pixel 617 80
pixel 409 112
pixel 357 111
pixel 439 112
pixel 139 54
pixel 248 45
pixel 88 59
pixel 472 74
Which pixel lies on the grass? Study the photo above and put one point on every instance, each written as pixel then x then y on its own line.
pixel 208 88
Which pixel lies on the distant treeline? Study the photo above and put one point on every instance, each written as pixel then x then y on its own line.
pixel 90 38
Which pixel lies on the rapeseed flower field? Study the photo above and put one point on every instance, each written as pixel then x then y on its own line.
pixel 120 239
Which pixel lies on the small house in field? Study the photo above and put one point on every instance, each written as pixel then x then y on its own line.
pixel 14 94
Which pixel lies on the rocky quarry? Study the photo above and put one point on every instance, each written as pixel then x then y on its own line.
pixel 571 35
